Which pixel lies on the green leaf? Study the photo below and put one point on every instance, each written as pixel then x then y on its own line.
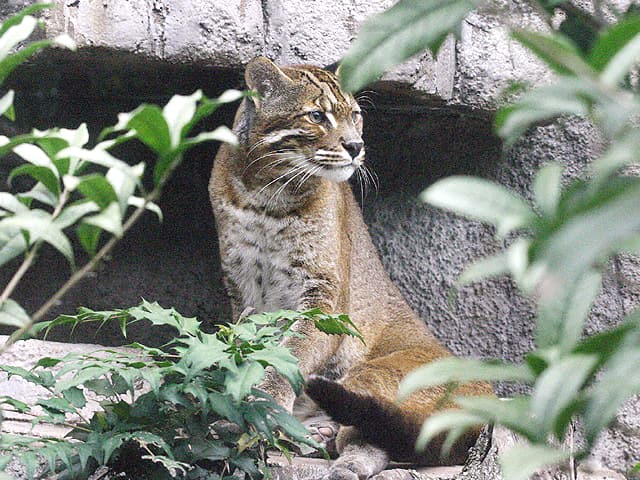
pixel 15 34
pixel 513 413
pixel 486 267
pixel 149 125
pixel 560 322
pixel 17 404
pixel 256 414
pixel 123 185
pixel 606 343
pixel 285 363
pixel 178 112
pixel 7 145
pixel 397 34
pixel 617 50
pixel 57 404
pixel 612 40
pixel 12 248
pixel 12 204
pixel 620 153
pixel 36 222
pixel 555 50
pixel 239 384
pixel 48 362
pixel 55 237
pixel 70 215
pixel 6 102
pixel 36 156
pixel 567 96
pixel 43 175
pixel 165 164
pixel 13 315
pixel 443 421
pixel 603 222
pixel 110 219
pixel 520 461
pixel 619 382
pixel 558 386
pixel 90 372
pixel 89 236
pixel 16 18
pixel 75 396
pixel 293 428
pixel 223 406
pixel 482 200
pixel 547 188
pixel 200 356
pixel 97 188
pixel 335 324
pixel 22 373
pixel 461 370
pixel 11 62
pixel 158 315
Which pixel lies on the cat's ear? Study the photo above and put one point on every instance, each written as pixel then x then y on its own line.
pixel 266 78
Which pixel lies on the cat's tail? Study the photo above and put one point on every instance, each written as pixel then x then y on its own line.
pixel 366 400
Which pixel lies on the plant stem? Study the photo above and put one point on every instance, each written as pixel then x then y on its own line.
pixel 30 257
pixel 65 424
pixel 13 283
pixel 90 265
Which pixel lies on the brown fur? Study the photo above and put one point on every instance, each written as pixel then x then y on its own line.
pixel 326 255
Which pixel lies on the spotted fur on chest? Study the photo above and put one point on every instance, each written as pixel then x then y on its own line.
pixel 262 262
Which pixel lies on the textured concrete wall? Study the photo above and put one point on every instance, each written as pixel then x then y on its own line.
pixel 430 119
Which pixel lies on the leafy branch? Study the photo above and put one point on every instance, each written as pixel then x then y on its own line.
pixel 63 195
pixel 191 406
pixel 559 245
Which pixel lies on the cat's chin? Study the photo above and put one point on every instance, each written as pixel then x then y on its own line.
pixel 337 174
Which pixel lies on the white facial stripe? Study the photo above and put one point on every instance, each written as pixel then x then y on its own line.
pixel 280 134
pixel 332 119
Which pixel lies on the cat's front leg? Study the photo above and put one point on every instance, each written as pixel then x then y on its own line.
pixel 311 347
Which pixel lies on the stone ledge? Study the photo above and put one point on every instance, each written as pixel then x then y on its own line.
pixel 227 34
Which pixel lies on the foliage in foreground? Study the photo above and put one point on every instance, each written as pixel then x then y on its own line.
pixel 189 409
pixel 71 186
pixel 558 247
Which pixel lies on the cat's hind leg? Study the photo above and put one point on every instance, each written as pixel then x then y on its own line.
pixel 358 459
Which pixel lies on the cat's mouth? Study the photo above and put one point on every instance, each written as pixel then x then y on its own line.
pixel 336 166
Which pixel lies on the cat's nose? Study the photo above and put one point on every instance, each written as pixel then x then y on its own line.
pixel 353 148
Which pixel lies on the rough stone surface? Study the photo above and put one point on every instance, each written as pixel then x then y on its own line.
pixel 227 34
pixel 429 119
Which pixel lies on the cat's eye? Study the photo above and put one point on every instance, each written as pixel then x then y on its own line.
pixel 355 116
pixel 316 116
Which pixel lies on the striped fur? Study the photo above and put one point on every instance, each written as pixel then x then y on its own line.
pixel 292 236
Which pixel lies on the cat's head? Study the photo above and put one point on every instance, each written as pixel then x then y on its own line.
pixel 302 122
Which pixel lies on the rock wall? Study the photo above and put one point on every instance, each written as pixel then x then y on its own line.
pixel 427 119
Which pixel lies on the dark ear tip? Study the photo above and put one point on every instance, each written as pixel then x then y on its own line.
pixel 333 67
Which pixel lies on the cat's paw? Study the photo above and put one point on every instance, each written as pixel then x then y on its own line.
pixel 324 432
pixel 341 473
pixel 350 469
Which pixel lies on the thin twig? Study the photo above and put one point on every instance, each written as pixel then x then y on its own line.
pixel 91 264
pixel 24 266
pixel 64 424
pixel 30 257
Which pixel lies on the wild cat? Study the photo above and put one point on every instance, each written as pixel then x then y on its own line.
pixel 292 236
